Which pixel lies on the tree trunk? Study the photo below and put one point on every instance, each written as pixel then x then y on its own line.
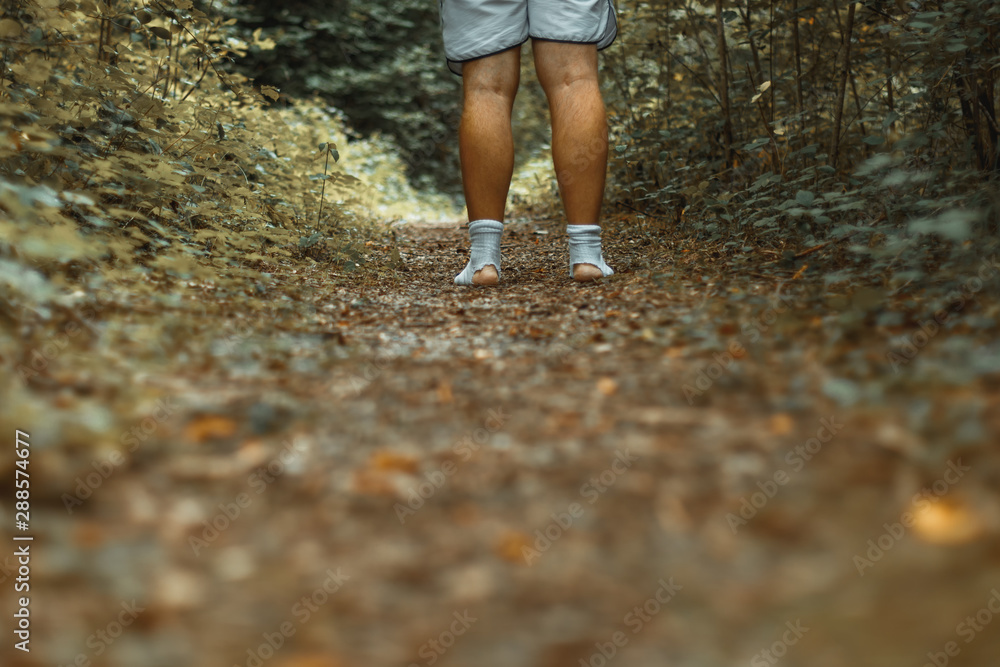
pixel 797 45
pixel 975 94
pixel 845 70
pixel 757 67
pixel 889 90
pixel 727 114
pixel 770 57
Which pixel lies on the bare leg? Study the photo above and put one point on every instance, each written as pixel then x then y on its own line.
pixel 568 74
pixel 486 143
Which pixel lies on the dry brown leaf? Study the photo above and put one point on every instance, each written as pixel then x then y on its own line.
pixel 947 523
pixel 511 546
pixel 9 28
pixel 780 424
pixel 372 483
pixel 309 660
pixel 386 460
pixel 445 396
pixel 209 427
pixel 607 386
pixel 89 534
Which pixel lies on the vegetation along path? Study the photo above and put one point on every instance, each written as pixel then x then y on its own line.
pixel 690 463
pixel 248 423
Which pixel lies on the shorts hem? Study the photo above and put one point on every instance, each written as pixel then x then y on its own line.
pixel 613 16
pixel 452 62
pixel 559 40
pixel 455 64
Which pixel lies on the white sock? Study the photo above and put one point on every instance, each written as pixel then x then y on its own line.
pixel 485 236
pixel 585 247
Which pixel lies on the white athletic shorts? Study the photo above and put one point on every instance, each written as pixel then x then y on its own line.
pixel 478 28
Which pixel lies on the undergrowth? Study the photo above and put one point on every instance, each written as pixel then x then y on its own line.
pixel 128 153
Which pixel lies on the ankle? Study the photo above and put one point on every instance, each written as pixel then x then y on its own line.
pixel 586 261
pixel 484 252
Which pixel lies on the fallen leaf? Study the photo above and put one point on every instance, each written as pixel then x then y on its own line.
pixel 386 460
pixel 371 483
pixel 947 523
pixel 209 427
pixel 607 386
pixel 780 424
pixel 309 660
pixel 89 534
pixel 511 545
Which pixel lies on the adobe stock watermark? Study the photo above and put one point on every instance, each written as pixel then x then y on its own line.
pixel 87 484
pixel 429 147
pixel 796 459
pixel 894 532
pixel 709 373
pixel 722 362
pixel 968 629
pixel 373 368
pixel 779 647
pixel 350 49
pixel 906 348
pixel 301 612
pixel 39 358
pixel 229 512
pixel 101 640
pixel 577 337
pixel 435 647
pixel 238 331
pixel 593 489
pixel 635 620
pixel 597 149
pixel 464 448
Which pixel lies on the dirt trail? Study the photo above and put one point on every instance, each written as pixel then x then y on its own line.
pixel 681 465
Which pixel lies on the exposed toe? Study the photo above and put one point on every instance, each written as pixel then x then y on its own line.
pixel 486 276
pixel 585 273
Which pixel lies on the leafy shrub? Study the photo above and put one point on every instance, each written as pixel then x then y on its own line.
pixel 789 124
pixel 129 152
pixel 381 62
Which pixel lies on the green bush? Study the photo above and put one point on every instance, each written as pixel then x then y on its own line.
pixel 381 62
pixel 794 123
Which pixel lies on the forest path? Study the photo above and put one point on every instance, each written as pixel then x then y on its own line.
pixel 672 464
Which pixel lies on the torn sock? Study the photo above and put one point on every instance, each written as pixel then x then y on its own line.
pixel 585 247
pixel 485 236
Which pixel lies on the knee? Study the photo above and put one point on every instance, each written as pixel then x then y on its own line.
pixel 571 81
pixel 566 67
pixel 495 77
pixel 492 87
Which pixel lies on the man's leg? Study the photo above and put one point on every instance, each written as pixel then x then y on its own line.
pixel 486 143
pixel 568 74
